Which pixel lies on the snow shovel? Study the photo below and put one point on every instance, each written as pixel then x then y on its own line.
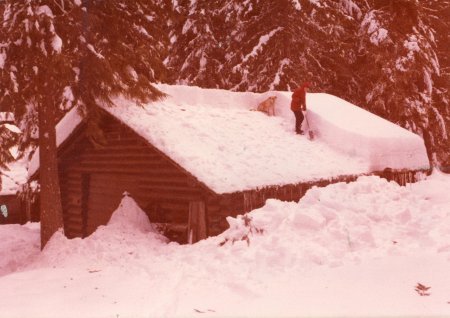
pixel 310 132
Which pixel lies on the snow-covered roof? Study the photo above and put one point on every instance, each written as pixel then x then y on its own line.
pixel 213 134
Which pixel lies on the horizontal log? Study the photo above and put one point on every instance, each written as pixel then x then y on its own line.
pixel 118 151
pixel 71 208
pixel 120 155
pixel 174 206
pixel 71 176
pixel 169 188
pixel 175 227
pixel 105 191
pixel 71 184
pixel 124 164
pixel 68 195
pixel 129 170
pixel 73 227
pixel 76 221
pixel 146 179
pixel 73 233
pixel 123 145
pixel 175 181
pixel 177 218
pixel 174 197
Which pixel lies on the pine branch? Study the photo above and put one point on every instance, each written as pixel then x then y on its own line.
pixel 9 177
pixel 60 6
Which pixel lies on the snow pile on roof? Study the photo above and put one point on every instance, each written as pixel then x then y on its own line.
pixel 328 255
pixel 212 134
pixel 354 130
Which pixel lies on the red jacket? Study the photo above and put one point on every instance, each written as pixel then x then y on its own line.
pixel 299 99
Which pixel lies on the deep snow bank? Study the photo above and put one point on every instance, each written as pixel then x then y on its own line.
pixel 369 217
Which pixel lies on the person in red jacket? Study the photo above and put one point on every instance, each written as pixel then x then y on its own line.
pixel 298 105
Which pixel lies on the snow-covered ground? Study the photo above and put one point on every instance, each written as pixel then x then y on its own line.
pixel 357 249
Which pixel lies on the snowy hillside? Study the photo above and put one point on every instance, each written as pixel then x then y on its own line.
pixel 357 249
pixel 214 135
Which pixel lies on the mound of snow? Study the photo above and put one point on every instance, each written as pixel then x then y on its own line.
pixel 130 216
pixel 127 235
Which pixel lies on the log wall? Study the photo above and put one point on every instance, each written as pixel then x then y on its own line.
pixel 94 178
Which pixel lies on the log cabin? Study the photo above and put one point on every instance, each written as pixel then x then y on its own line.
pixel 179 194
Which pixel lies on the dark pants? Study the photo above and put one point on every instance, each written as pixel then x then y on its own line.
pixel 298 121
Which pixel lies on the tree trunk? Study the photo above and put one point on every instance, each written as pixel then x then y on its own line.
pixel 50 194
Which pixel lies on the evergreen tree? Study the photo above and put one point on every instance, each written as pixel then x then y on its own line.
pixel 8 139
pixel 404 83
pixel 196 38
pixel 57 54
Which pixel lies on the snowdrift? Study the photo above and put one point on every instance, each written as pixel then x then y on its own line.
pixel 365 219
